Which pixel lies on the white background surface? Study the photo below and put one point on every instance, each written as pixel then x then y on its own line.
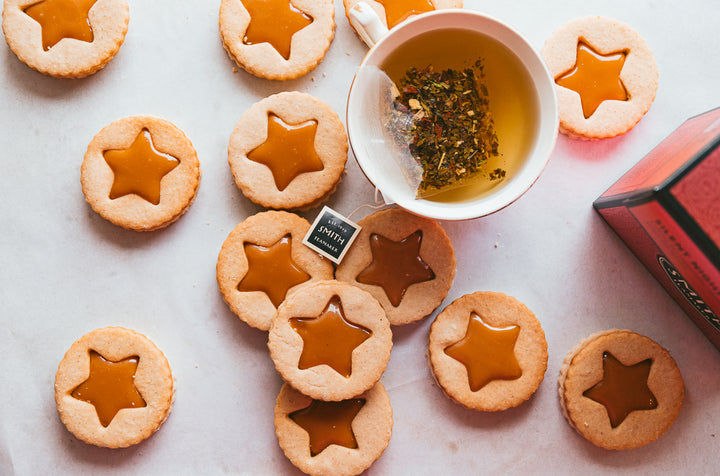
pixel 65 271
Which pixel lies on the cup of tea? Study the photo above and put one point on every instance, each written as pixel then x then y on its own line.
pixel 451 114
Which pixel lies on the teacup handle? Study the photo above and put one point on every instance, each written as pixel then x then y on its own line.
pixel 367 23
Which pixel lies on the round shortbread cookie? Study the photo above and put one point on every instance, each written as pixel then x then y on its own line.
pixel 96 32
pixel 140 172
pixel 289 39
pixel 347 436
pixel 89 370
pixel 401 11
pixel 488 351
pixel 620 389
pixel 614 51
pixel 405 261
pixel 274 239
pixel 330 340
pixel 288 151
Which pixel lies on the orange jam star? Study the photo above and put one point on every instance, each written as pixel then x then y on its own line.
pixel 62 19
pixel 595 77
pixel 288 151
pixel 110 387
pixel 139 169
pixel 274 22
pixel 329 339
pixel 329 423
pixel 399 10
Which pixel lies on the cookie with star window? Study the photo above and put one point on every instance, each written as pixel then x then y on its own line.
pixel 140 173
pixel 620 389
pixel 394 12
pixel 277 39
pixel 65 38
pixel 288 151
pixel 330 340
pixel 605 76
pixel 488 351
pixel 113 388
pixel 405 261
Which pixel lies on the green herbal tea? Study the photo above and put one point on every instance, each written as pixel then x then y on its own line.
pixel 465 110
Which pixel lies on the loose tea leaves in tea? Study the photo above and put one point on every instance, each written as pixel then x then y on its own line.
pixel 442 124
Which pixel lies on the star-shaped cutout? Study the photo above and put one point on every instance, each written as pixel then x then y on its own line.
pixel 399 10
pixel 329 339
pixel 139 169
pixel 396 265
pixel 623 388
pixel 272 270
pixel 329 423
pixel 110 387
pixel 488 353
pixel 274 22
pixel 595 77
pixel 288 151
pixel 62 19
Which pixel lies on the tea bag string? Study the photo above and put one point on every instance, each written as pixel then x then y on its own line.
pixel 379 203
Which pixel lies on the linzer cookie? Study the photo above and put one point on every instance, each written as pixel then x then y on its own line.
pixel 140 173
pixel 393 12
pixel 262 261
pixel 619 389
pixel 333 438
pixel 488 351
pixel 277 39
pixel 288 151
pixel 65 38
pixel 330 340
pixel 405 261
pixel 605 75
pixel 113 388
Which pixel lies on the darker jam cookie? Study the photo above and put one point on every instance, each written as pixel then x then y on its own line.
pixel 65 38
pixel 488 351
pixel 262 261
pixel 605 75
pixel 277 39
pixel 113 388
pixel 140 173
pixel 333 438
pixel 620 389
pixel 405 261
pixel 288 151
pixel 330 340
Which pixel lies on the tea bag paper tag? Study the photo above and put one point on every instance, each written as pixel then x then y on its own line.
pixel 331 234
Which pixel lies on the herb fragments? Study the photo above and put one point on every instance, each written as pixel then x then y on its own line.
pixel 442 123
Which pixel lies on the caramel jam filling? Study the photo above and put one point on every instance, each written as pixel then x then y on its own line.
pixel 272 270
pixel 110 387
pixel 329 339
pixel 595 77
pixel 399 10
pixel 288 151
pixel 274 22
pixel 139 169
pixel 62 19
pixel 329 423
pixel 487 352
pixel 396 265
pixel 623 389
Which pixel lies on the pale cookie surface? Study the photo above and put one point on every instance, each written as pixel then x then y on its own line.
pixel 637 73
pixel 333 449
pixel 125 192
pixel 152 380
pixel 278 236
pixel 405 261
pixel 401 10
pixel 503 351
pixel 67 57
pixel 282 51
pixel 330 340
pixel 270 169
pixel 647 371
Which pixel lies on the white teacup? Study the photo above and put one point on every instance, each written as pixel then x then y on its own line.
pixel 375 156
